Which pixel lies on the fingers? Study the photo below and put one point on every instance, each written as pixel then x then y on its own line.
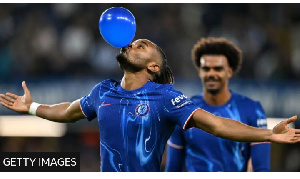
pixel 291 119
pixel 12 95
pixel 297 131
pixel 6 104
pixel 1 95
pixel 295 139
pixel 8 99
pixel 26 90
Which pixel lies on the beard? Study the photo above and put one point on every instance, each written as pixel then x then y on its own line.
pixel 214 91
pixel 126 64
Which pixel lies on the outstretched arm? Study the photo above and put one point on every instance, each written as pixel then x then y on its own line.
pixel 63 112
pixel 237 131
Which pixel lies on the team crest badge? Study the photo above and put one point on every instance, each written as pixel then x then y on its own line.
pixel 142 109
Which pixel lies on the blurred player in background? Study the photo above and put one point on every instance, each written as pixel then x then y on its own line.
pixel 216 60
pixel 137 115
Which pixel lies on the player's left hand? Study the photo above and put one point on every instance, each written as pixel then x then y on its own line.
pixel 17 103
pixel 284 134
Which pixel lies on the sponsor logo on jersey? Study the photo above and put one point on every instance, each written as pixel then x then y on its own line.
pixel 262 123
pixel 178 99
pixel 142 109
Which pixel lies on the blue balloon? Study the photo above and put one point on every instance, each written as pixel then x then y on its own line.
pixel 117 26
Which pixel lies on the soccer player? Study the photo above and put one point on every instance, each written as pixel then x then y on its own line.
pixel 137 115
pixel 216 60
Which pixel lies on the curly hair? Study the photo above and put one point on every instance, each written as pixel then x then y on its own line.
pixel 217 46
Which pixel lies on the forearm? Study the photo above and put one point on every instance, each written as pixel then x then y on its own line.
pixel 63 112
pixel 56 113
pixel 235 130
pixel 228 128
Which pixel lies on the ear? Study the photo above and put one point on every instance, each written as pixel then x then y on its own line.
pixel 153 67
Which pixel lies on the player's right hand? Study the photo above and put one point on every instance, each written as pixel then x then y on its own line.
pixel 17 103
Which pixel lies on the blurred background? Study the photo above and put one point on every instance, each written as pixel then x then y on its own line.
pixel 57 49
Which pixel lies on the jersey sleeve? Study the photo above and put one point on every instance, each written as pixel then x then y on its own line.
pixel 178 107
pixel 261 156
pixel 260 163
pixel 88 102
pixel 259 118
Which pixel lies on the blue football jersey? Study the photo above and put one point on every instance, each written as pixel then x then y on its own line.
pixel 207 153
pixel 135 125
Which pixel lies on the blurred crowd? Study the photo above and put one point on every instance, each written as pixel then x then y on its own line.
pixel 39 41
pixel 61 40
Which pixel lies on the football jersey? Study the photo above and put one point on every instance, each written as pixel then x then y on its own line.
pixel 207 153
pixel 134 125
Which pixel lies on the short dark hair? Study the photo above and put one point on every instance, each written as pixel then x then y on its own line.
pixel 217 46
pixel 165 76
